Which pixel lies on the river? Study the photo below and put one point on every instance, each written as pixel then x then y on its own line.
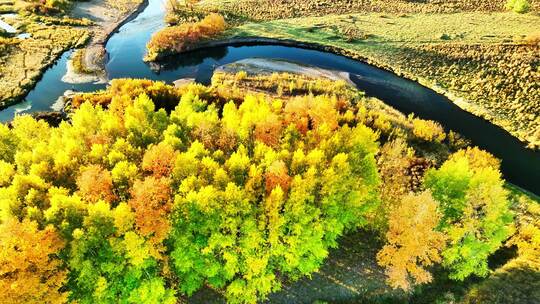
pixel 520 165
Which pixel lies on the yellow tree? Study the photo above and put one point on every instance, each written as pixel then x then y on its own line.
pixel 268 130
pixel 428 130
pixel 413 242
pixel 394 159
pixel 29 272
pixel 277 175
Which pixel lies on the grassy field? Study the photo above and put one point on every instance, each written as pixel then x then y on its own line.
pixel 482 57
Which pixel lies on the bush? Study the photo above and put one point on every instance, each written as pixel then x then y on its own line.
pixel 428 130
pixel 176 39
pixel 518 6
pixel 45 7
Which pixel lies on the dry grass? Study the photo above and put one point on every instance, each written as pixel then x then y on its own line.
pixel 23 61
pixel 265 10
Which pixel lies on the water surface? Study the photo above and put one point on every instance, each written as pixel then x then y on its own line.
pixel 520 166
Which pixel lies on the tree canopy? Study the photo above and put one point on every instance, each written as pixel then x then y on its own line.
pixel 128 202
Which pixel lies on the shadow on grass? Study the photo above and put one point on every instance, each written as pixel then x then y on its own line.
pixel 350 275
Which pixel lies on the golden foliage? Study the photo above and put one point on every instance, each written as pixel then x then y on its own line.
pixel 477 158
pixel 124 91
pixel 277 175
pixel 428 130
pixel 268 130
pixel 152 202
pixel 527 236
pixel 95 183
pixel 413 242
pixel 159 160
pixel 297 113
pixel 29 271
pixel 177 39
pixel 393 162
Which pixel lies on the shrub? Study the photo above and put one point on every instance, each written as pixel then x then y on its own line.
pixel 518 6
pixel 77 61
pixel 428 130
pixel 45 7
pixel 176 39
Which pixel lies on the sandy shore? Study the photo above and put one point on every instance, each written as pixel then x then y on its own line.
pixel 264 66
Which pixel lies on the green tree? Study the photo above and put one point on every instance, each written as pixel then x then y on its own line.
pixel 475 207
pixel 518 6
pixel 109 268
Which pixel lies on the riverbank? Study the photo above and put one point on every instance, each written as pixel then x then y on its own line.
pixel 89 64
pixel 24 60
pixel 482 59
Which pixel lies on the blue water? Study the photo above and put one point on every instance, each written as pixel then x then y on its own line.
pixel 126 49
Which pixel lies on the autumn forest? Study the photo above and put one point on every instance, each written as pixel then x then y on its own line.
pixel 255 152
